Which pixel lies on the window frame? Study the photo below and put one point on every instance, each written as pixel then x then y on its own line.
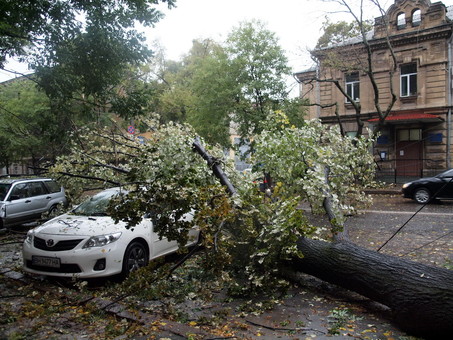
pixel 401 21
pixel 410 135
pixel 408 80
pixel 352 86
pixel 416 17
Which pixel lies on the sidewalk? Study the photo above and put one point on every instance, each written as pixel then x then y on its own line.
pixel 391 189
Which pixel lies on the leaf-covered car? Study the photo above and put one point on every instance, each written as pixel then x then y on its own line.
pixel 87 243
pixel 424 189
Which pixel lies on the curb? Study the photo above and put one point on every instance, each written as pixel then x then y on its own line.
pixel 383 191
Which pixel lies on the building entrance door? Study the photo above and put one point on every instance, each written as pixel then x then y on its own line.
pixel 409 152
pixel 409 158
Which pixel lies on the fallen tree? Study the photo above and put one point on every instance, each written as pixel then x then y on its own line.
pixel 420 296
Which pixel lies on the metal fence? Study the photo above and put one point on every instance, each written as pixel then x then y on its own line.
pixel 402 171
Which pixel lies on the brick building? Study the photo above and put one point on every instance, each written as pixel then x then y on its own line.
pixel 416 135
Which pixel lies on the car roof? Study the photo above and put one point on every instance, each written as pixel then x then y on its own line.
pixel 16 180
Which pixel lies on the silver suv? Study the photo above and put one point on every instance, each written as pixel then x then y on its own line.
pixel 24 200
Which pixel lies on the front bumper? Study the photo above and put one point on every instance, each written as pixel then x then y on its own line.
pixel 76 262
pixel 407 193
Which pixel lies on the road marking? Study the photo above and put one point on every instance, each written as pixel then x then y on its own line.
pixel 406 212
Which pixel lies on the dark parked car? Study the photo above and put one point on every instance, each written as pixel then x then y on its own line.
pixel 424 189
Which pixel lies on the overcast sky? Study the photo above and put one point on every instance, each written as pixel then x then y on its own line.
pixel 297 24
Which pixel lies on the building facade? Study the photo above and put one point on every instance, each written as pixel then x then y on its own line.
pixel 410 50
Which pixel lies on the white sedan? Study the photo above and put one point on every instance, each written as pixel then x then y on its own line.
pixel 86 243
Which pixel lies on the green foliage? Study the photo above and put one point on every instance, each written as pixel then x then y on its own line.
pixel 299 158
pixel 341 31
pixel 240 81
pixel 245 236
pixel 82 51
pixel 23 22
pixel 339 318
pixel 294 110
pixel 199 90
pixel 264 234
pixel 214 89
pixel 28 127
pixel 259 66
pixel 42 26
pixel 86 56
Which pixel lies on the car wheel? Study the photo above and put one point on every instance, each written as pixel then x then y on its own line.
pixel 422 195
pixel 53 209
pixel 52 212
pixel 135 257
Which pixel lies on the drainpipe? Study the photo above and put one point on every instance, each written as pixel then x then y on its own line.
pixel 449 104
pixel 318 94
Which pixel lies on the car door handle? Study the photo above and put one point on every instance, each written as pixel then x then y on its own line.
pixel 48 197
pixel 27 201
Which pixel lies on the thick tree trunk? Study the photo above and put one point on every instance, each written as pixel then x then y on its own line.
pixel 420 296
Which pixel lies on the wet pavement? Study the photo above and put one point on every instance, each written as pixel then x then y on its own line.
pixel 311 310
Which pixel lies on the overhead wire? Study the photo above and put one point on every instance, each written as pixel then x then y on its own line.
pixel 415 214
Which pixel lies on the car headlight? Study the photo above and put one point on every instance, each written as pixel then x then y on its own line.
pixel 29 237
pixel 101 240
pixel 2 210
pixel 405 185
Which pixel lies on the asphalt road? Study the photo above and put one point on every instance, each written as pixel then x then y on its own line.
pixel 420 233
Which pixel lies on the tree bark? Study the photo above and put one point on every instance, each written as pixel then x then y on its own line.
pixel 215 166
pixel 420 296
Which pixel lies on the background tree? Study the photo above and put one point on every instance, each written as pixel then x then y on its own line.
pixel 35 30
pixel 87 58
pixel 28 126
pixel 197 90
pixel 169 80
pixel 214 89
pixel 78 49
pixel 7 153
pixel 259 67
pixel 335 33
pixel 241 80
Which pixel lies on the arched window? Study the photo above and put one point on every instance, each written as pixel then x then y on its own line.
pixel 416 17
pixel 401 21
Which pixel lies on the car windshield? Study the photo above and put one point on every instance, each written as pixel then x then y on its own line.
pixel 4 190
pixel 96 205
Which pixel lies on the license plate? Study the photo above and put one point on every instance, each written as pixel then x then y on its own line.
pixel 53 262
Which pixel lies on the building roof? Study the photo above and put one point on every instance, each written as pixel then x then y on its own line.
pixel 404 117
pixel 370 34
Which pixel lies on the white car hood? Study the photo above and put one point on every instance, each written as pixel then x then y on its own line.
pixel 80 225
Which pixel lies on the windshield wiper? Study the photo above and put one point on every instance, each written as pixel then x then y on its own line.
pixel 99 214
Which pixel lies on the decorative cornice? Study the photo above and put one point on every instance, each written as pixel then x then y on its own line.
pixel 412 38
